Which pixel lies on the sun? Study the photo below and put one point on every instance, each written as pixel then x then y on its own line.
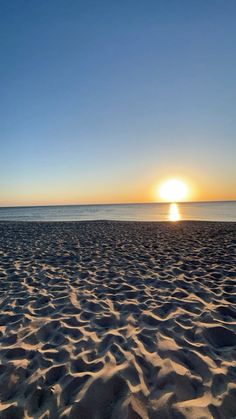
pixel 173 190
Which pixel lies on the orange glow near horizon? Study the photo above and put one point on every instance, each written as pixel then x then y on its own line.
pixel 140 190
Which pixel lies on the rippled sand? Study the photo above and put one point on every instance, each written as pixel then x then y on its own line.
pixel 105 320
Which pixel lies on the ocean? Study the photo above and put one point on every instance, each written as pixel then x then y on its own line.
pixel 206 211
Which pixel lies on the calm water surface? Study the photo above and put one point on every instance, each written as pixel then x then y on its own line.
pixel 209 211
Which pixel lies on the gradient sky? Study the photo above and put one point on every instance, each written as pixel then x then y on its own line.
pixel 102 100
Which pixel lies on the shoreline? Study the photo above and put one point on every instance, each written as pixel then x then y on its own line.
pixel 119 221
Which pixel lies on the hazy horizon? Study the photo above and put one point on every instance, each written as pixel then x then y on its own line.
pixel 103 101
pixel 119 203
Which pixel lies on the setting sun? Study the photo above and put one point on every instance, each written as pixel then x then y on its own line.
pixel 173 190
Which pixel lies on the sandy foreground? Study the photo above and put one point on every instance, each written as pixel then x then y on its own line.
pixel 105 320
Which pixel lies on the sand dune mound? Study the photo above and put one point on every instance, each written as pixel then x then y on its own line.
pixel 117 320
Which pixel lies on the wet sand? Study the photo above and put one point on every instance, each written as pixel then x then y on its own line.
pixel 117 320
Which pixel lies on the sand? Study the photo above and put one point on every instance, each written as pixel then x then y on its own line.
pixel 105 320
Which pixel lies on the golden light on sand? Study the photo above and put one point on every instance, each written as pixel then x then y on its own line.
pixel 174 214
pixel 173 190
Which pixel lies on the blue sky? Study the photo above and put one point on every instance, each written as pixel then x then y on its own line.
pixel 102 100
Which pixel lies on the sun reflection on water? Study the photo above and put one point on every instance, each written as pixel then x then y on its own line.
pixel 174 214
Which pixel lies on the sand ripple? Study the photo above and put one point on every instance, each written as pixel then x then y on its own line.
pixel 123 320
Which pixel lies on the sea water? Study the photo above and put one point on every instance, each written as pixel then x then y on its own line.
pixel 208 211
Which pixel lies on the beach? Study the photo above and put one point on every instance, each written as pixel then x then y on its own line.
pixel 117 320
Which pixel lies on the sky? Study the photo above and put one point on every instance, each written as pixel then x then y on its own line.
pixel 102 101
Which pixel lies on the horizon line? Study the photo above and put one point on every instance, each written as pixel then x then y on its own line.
pixel 117 203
